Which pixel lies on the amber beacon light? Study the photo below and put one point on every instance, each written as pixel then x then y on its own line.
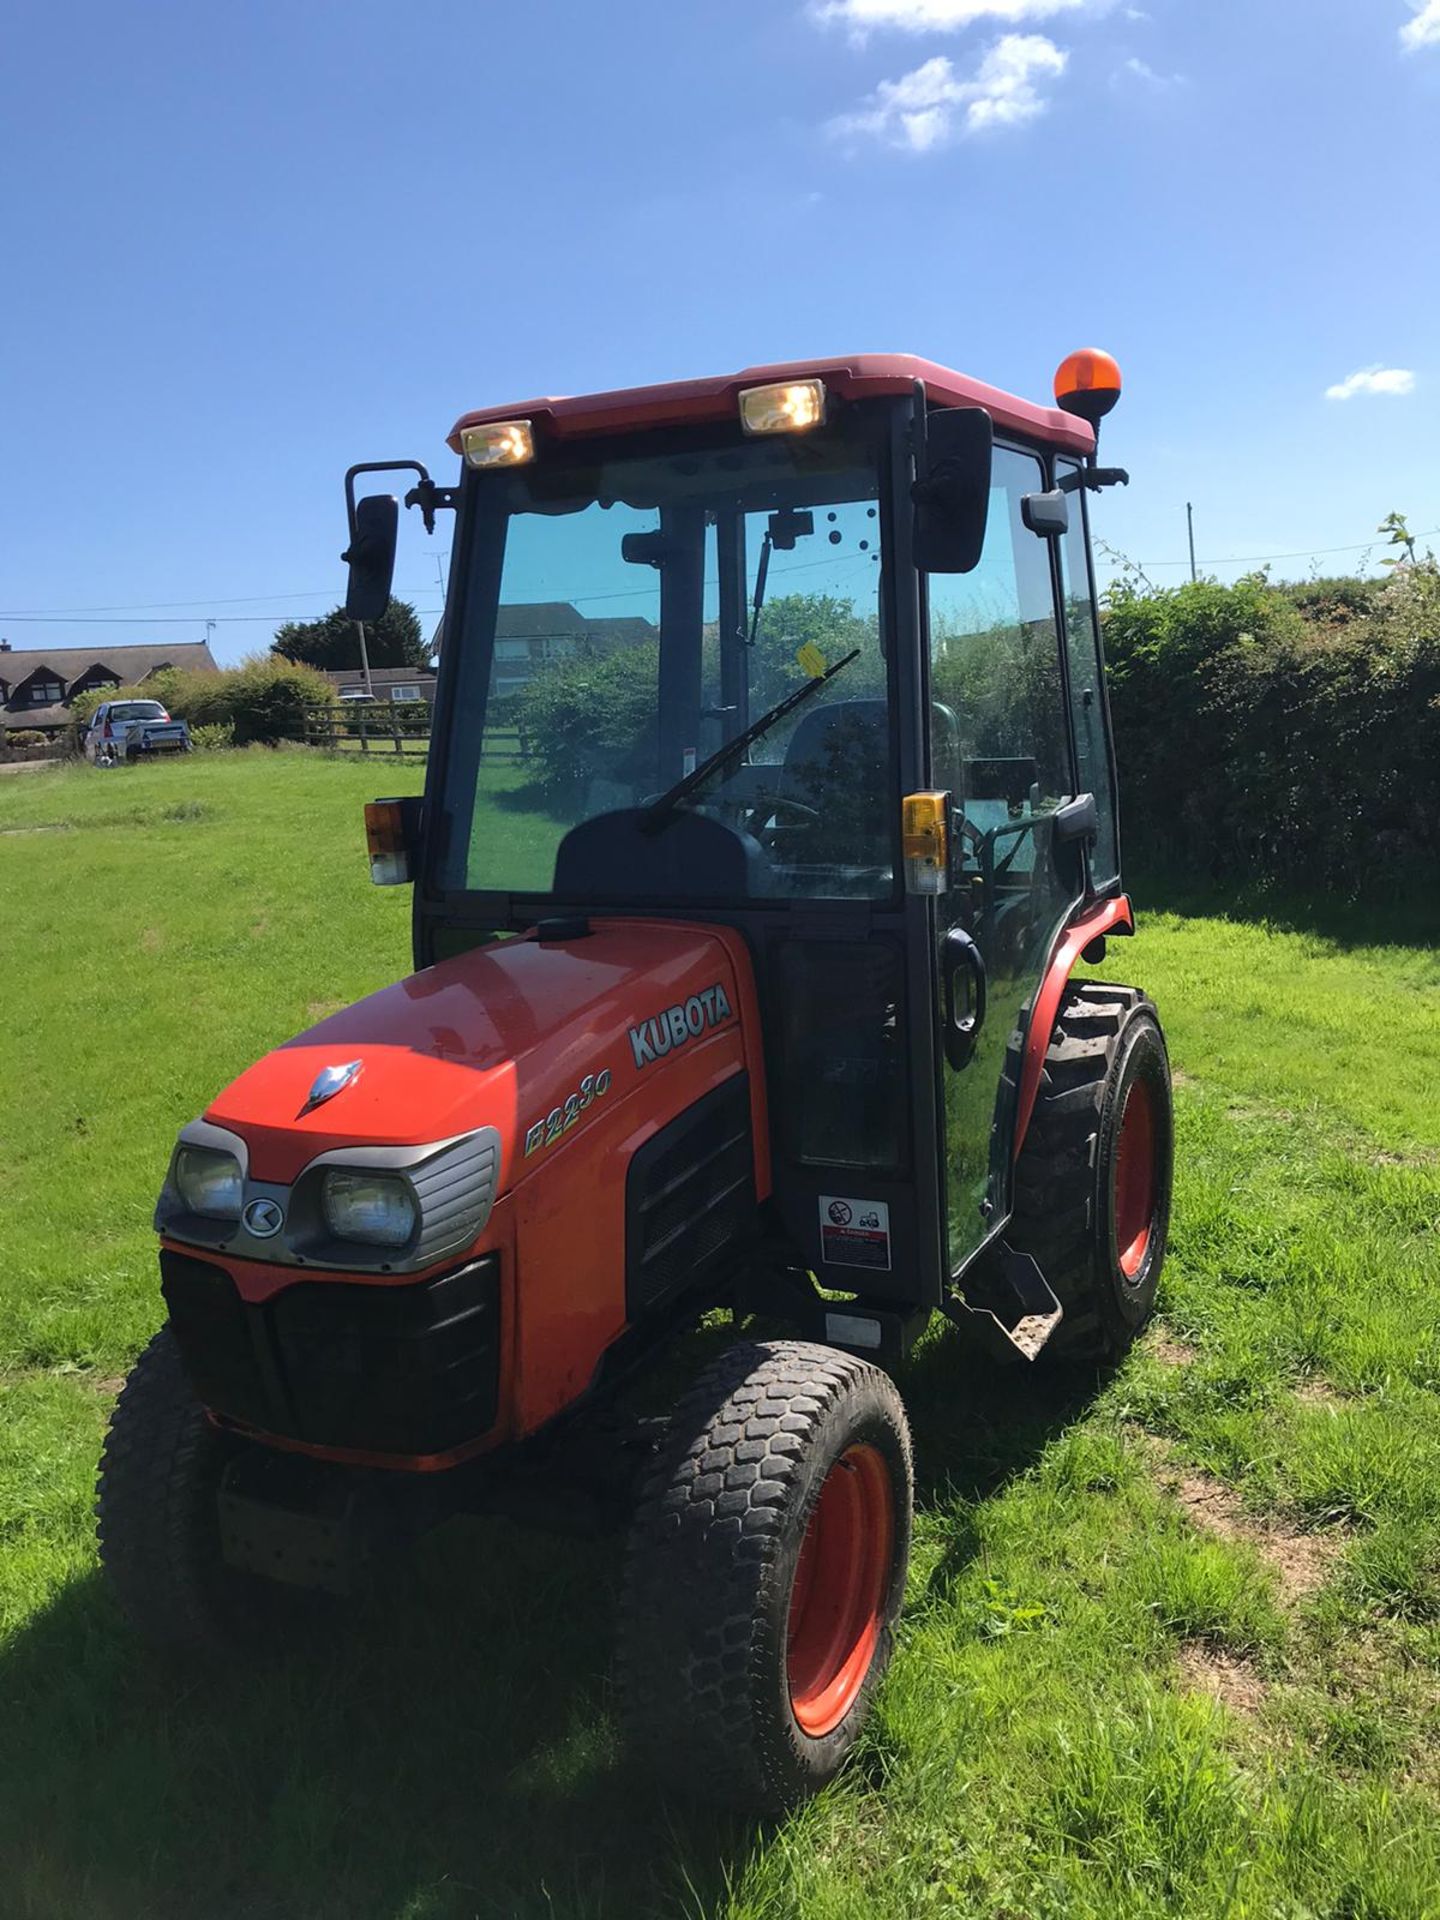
pixel 1088 383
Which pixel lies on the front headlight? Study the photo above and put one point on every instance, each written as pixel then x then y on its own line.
pixel 374 1207
pixel 209 1182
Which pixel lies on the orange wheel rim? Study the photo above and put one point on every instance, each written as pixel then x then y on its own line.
pixel 1135 1178
pixel 842 1579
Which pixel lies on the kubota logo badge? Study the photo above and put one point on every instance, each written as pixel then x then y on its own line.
pixel 264 1218
pixel 656 1036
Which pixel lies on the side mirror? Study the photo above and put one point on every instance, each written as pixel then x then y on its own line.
pixel 952 494
pixel 371 556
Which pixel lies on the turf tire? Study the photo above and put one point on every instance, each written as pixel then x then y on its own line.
pixel 1106 1040
pixel 157 1511
pixel 704 1670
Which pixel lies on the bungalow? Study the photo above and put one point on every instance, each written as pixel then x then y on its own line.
pixel 39 684
pixel 386 683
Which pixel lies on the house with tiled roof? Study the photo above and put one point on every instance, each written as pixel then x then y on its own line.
pixel 38 685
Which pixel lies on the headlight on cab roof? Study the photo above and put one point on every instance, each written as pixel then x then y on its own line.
pixel 377 1208
pixel 209 1181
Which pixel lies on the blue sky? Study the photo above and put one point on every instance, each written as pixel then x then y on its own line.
pixel 244 246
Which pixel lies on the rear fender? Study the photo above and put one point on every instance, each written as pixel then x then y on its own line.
pixel 1100 918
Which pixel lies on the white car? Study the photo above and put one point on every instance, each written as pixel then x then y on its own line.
pixel 121 730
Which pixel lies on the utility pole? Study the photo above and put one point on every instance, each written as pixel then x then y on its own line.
pixel 1190 517
pixel 364 658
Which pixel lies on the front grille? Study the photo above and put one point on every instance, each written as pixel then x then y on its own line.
pixel 405 1369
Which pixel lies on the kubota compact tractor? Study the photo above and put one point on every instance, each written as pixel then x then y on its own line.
pixel 770 805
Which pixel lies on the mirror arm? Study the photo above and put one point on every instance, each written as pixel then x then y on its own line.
pixel 424 494
pixel 377 466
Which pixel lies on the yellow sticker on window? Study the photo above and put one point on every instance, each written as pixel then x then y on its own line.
pixel 811 660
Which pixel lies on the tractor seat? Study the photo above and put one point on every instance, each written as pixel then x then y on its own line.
pixel 837 763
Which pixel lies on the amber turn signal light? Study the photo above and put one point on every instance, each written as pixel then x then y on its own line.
pixel 925 841
pixel 1088 384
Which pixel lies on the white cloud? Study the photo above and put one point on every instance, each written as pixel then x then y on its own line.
pixel 935 16
pixel 1424 29
pixel 926 108
pixel 1395 381
pixel 1145 75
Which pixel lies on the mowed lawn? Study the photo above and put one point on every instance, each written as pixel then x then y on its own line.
pixel 1173 1639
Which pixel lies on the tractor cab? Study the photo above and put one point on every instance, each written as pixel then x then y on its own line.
pixel 810 653
pixel 770 807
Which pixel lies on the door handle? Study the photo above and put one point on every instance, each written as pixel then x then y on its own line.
pixel 959 954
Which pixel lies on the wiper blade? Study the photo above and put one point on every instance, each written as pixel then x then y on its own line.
pixel 659 811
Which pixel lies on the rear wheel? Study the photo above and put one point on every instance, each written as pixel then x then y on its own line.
pixel 1092 1185
pixel 765 1573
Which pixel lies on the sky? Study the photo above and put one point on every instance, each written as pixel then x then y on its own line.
pixel 243 246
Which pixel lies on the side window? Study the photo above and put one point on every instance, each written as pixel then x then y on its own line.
pixel 1087 688
pixel 998 733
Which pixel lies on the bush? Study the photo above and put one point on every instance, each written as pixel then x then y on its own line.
pixel 591 716
pixel 263 699
pixel 84 704
pixel 213 736
pixel 1281 733
pixel 24 737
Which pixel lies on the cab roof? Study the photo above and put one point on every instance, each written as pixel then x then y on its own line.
pixel 851 377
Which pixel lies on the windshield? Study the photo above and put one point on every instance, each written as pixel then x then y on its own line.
pixel 630 613
pixel 137 710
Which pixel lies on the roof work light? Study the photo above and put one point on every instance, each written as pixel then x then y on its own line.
pixel 790 406
pixel 499 443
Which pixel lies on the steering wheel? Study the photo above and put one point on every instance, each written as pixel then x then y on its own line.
pixel 767 827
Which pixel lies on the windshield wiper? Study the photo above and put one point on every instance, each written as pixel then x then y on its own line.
pixel 659 811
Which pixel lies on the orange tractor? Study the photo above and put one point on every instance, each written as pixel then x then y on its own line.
pixel 770 805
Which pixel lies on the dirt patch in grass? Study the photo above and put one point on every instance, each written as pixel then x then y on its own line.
pixel 1169 1351
pixel 322 1009
pixel 1318 1393
pixel 1302 1560
pixel 1233 1682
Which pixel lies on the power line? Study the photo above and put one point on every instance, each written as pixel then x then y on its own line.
pixel 142 606
pixel 154 620
pixel 112 617
pixel 1301 553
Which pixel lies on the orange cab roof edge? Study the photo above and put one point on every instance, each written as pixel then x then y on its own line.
pixel 854 377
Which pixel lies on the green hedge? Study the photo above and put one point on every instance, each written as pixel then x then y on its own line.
pixel 1285 733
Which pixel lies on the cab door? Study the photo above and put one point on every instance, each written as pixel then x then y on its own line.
pixel 1000 743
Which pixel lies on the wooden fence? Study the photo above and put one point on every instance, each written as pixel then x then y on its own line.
pixel 389 727
pixel 369 726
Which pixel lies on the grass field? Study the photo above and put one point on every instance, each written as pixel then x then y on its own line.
pixel 1173 1639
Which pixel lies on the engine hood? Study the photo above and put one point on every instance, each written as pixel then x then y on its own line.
pixel 499 1037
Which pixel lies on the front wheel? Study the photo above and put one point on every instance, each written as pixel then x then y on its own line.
pixel 766 1572
pixel 157 1504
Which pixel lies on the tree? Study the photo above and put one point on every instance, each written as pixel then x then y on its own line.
pixel 394 640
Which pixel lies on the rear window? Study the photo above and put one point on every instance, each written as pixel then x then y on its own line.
pixel 137 710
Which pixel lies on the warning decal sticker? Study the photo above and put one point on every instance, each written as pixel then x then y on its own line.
pixel 854 1233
